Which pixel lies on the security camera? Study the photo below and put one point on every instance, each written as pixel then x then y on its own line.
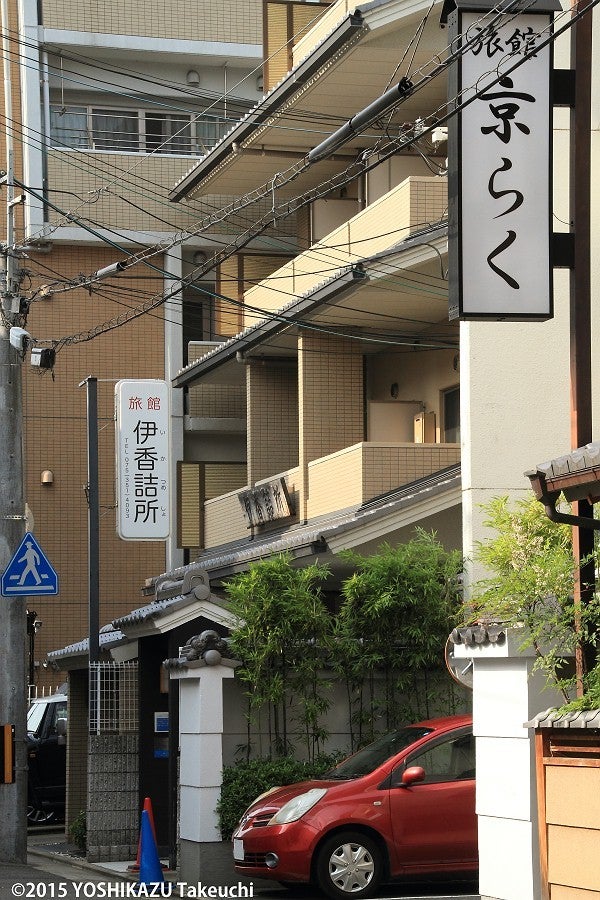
pixel 19 339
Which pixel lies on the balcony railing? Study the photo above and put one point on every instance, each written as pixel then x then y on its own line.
pixel 135 131
pixel 408 207
pixel 342 480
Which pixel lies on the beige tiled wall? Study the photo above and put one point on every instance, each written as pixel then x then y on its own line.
pixel 214 400
pixel 335 482
pixel 237 21
pixel 322 28
pixel 272 438
pixel 217 401
pixel 330 378
pixel 359 473
pixel 224 520
pixel 388 467
pixel 387 221
pixel 94 184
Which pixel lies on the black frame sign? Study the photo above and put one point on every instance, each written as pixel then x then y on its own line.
pixel 500 163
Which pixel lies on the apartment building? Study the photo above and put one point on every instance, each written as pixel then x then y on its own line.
pixel 346 356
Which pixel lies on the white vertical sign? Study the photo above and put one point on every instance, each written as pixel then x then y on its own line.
pixel 143 467
pixel 504 155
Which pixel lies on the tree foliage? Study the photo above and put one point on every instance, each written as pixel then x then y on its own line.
pixel 284 632
pixel 396 613
pixel 530 586
pixel 386 642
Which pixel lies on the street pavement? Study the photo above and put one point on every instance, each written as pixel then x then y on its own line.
pixel 54 869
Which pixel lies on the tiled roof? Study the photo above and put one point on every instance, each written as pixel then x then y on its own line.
pixel 587 457
pixel 107 637
pixel 551 718
pixel 315 535
pixel 153 610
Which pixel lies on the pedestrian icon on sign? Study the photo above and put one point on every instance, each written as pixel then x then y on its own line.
pixel 29 572
pixel 32 559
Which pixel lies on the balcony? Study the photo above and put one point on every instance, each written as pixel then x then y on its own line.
pixel 340 481
pixel 407 208
pixel 354 475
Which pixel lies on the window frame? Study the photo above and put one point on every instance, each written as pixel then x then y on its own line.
pixel 197 145
pixel 395 778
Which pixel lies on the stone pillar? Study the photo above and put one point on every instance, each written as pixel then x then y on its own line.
pixel 201 763
pixel 113 816
pixel 506 695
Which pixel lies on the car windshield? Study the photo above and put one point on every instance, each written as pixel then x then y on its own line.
pixel 373 755
pixel 35 716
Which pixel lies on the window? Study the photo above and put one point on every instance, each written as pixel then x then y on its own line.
pixel 168 134
pixel 451 415
pixel 449 760
pixel 135 130
pixel 68 126
pixel 114 129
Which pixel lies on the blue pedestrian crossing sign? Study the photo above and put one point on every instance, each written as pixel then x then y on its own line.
pixel 29 573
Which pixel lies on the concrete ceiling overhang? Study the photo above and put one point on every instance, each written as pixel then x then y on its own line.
pixel 395 300
pixel 368 52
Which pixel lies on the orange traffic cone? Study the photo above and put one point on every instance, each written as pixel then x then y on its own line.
pixel 148 807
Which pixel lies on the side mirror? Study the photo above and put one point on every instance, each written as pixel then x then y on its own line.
pixel 413 775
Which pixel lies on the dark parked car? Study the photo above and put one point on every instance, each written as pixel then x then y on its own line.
pixel 403 806
pixel 47 758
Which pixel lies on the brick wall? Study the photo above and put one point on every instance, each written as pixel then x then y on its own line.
pixel 55 438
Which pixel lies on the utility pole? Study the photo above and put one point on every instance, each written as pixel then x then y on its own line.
pixel 580 306
pixel 13 617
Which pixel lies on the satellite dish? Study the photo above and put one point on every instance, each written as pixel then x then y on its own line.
pixel 461 670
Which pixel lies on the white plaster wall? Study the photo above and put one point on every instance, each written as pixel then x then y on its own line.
pixel 514 409
pixel 504 771
pixel 197 818
pixel 505 860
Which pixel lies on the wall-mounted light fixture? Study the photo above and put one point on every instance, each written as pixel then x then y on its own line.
pixel 47 477
pixel 199 257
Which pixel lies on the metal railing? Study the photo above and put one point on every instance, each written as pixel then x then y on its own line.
pixel 113 698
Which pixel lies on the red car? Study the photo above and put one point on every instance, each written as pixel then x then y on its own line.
pixel 403 806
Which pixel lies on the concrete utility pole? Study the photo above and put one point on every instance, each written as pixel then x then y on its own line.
pixel 13 620
pixel 580 306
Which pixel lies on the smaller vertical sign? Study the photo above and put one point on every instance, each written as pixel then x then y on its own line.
pixel 143 463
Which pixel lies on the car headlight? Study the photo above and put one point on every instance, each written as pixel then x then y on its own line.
pixel 295 808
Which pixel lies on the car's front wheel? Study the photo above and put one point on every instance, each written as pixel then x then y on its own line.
pixel 37 815
pixel 349 864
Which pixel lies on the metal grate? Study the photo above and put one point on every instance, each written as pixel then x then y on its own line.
pixel 113 698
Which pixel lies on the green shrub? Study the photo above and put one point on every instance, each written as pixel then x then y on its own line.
pixel 78 830
pixel 244 781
